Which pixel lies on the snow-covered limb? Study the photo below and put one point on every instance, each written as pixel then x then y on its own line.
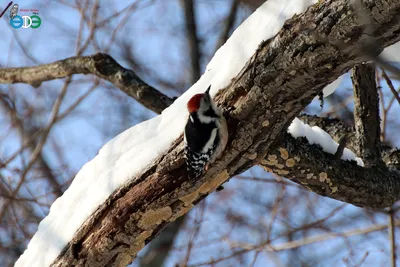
pixel 336 128
pixel 143 143
pixel 315 135
pixel 160 194
pixel 320 172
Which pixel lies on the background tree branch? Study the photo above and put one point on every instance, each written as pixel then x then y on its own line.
pixel 193 41
pixel 101 65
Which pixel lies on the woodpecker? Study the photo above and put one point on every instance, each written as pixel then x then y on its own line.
pixel 206 134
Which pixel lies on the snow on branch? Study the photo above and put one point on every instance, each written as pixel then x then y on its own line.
pixel 321 172
pixel 315 135
pixel 143 143
pixel 137 184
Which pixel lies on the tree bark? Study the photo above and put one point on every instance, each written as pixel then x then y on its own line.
pixel 366 114
pixel 281 78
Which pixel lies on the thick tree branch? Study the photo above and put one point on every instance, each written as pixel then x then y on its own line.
pixel 101 65
pixel 325 175
pixel 281 78
pixel 366 114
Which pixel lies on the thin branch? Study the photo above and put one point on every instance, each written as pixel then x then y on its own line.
pixel 92 27
pixel 38 150
pixel 26 134
pixel 293 244
pixel 390 84
pixel 35 135
pixel 392 238
pixel 319 238
pixel 198 223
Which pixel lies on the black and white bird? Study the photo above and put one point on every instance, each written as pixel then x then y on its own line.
pixel 206 134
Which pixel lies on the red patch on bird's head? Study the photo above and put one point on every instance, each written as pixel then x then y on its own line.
pixel 194 103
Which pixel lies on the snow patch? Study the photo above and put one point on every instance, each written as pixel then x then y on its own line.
pixel 330 88
pixel 391 53
pixel 315 135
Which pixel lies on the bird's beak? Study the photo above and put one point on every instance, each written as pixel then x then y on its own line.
pixel 208 90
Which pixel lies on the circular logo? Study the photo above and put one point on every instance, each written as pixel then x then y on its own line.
pixel 27 22
pixel 16 22
pixel 33 22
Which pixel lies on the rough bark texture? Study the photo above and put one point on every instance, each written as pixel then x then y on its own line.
pixel 283 76
pixel 366 114
pixel 325 175
pixel 160 247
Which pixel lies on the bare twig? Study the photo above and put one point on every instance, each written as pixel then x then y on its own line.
pixel 26 134
pixel 36 152
pixel 390 84
pixel 92 27
pixel 293 244
pixel 392 238
pixel 195 233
